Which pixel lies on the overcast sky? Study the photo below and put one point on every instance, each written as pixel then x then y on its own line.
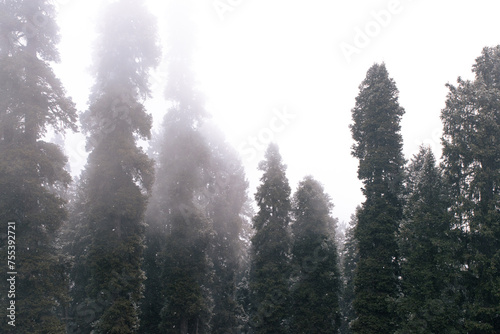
pixel 289 71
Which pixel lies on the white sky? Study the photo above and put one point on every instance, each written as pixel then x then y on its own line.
pixel 260 58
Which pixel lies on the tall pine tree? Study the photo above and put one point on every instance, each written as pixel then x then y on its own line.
pixel 471 153
pixel 315 282
pixel 218 199
pixel 118 175
pixel 270 267
pixel 378 146
pixel 429 300
pixel 349 261
pixel 179 229
pixel 225 198
pixel 32 170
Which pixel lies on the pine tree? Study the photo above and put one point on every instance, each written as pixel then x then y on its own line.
pixel 153 299
pixel 218 198
pixel 225 197
pixel 270 266
pixel 208 253
pixel 429 302
pixel 75 240
pixel 349 261
pixel 378 146
pixel 118 175
pixel 471 152
pixel 176 214
pixel 316 277
pixel 32 170
pixel 181 269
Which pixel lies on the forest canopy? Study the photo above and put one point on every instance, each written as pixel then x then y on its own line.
pixel 160 234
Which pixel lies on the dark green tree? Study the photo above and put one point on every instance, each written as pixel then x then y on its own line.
pixel 349 261
pixel 429 302
pixel 204 271
pixel 225 198
pixel 177 215
pixel 270 266
pixel 32 170
pixel 315 279
pixel 179 230
pixel 75 240
pixel 471 152
pixel 378 146
pixel 119 175
pixel 153 299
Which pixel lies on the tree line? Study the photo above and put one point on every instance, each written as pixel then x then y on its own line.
pixel 167 240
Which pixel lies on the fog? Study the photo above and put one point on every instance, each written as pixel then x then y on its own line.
pixel 224 171
pixel 287 55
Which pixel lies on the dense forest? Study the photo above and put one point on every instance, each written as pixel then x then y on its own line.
pixel 168 240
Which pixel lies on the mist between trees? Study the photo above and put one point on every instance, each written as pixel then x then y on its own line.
pixel 168 240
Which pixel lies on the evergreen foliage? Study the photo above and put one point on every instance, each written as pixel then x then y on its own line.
pixel 315 280
pixel 33 177
pixel 226 197
pixel 429 266
pixel 471 152
pixel 121 251
pixel 178 228
pixel 378 146
pixel 195 260
pixel 270 266
pixel 194 212
pixel 119 175
pixel 349 261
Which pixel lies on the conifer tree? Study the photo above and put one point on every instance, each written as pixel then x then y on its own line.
pixel 75 240
pixel 179 229
pixel 225 197
pixel 378 146
pixel 218 198
pixel 270 267
pixel 429 300
pixel 471 152
pixel 349 261
pixel 315 282
pixel 119 175
pixel 32 170
pixel 208 253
